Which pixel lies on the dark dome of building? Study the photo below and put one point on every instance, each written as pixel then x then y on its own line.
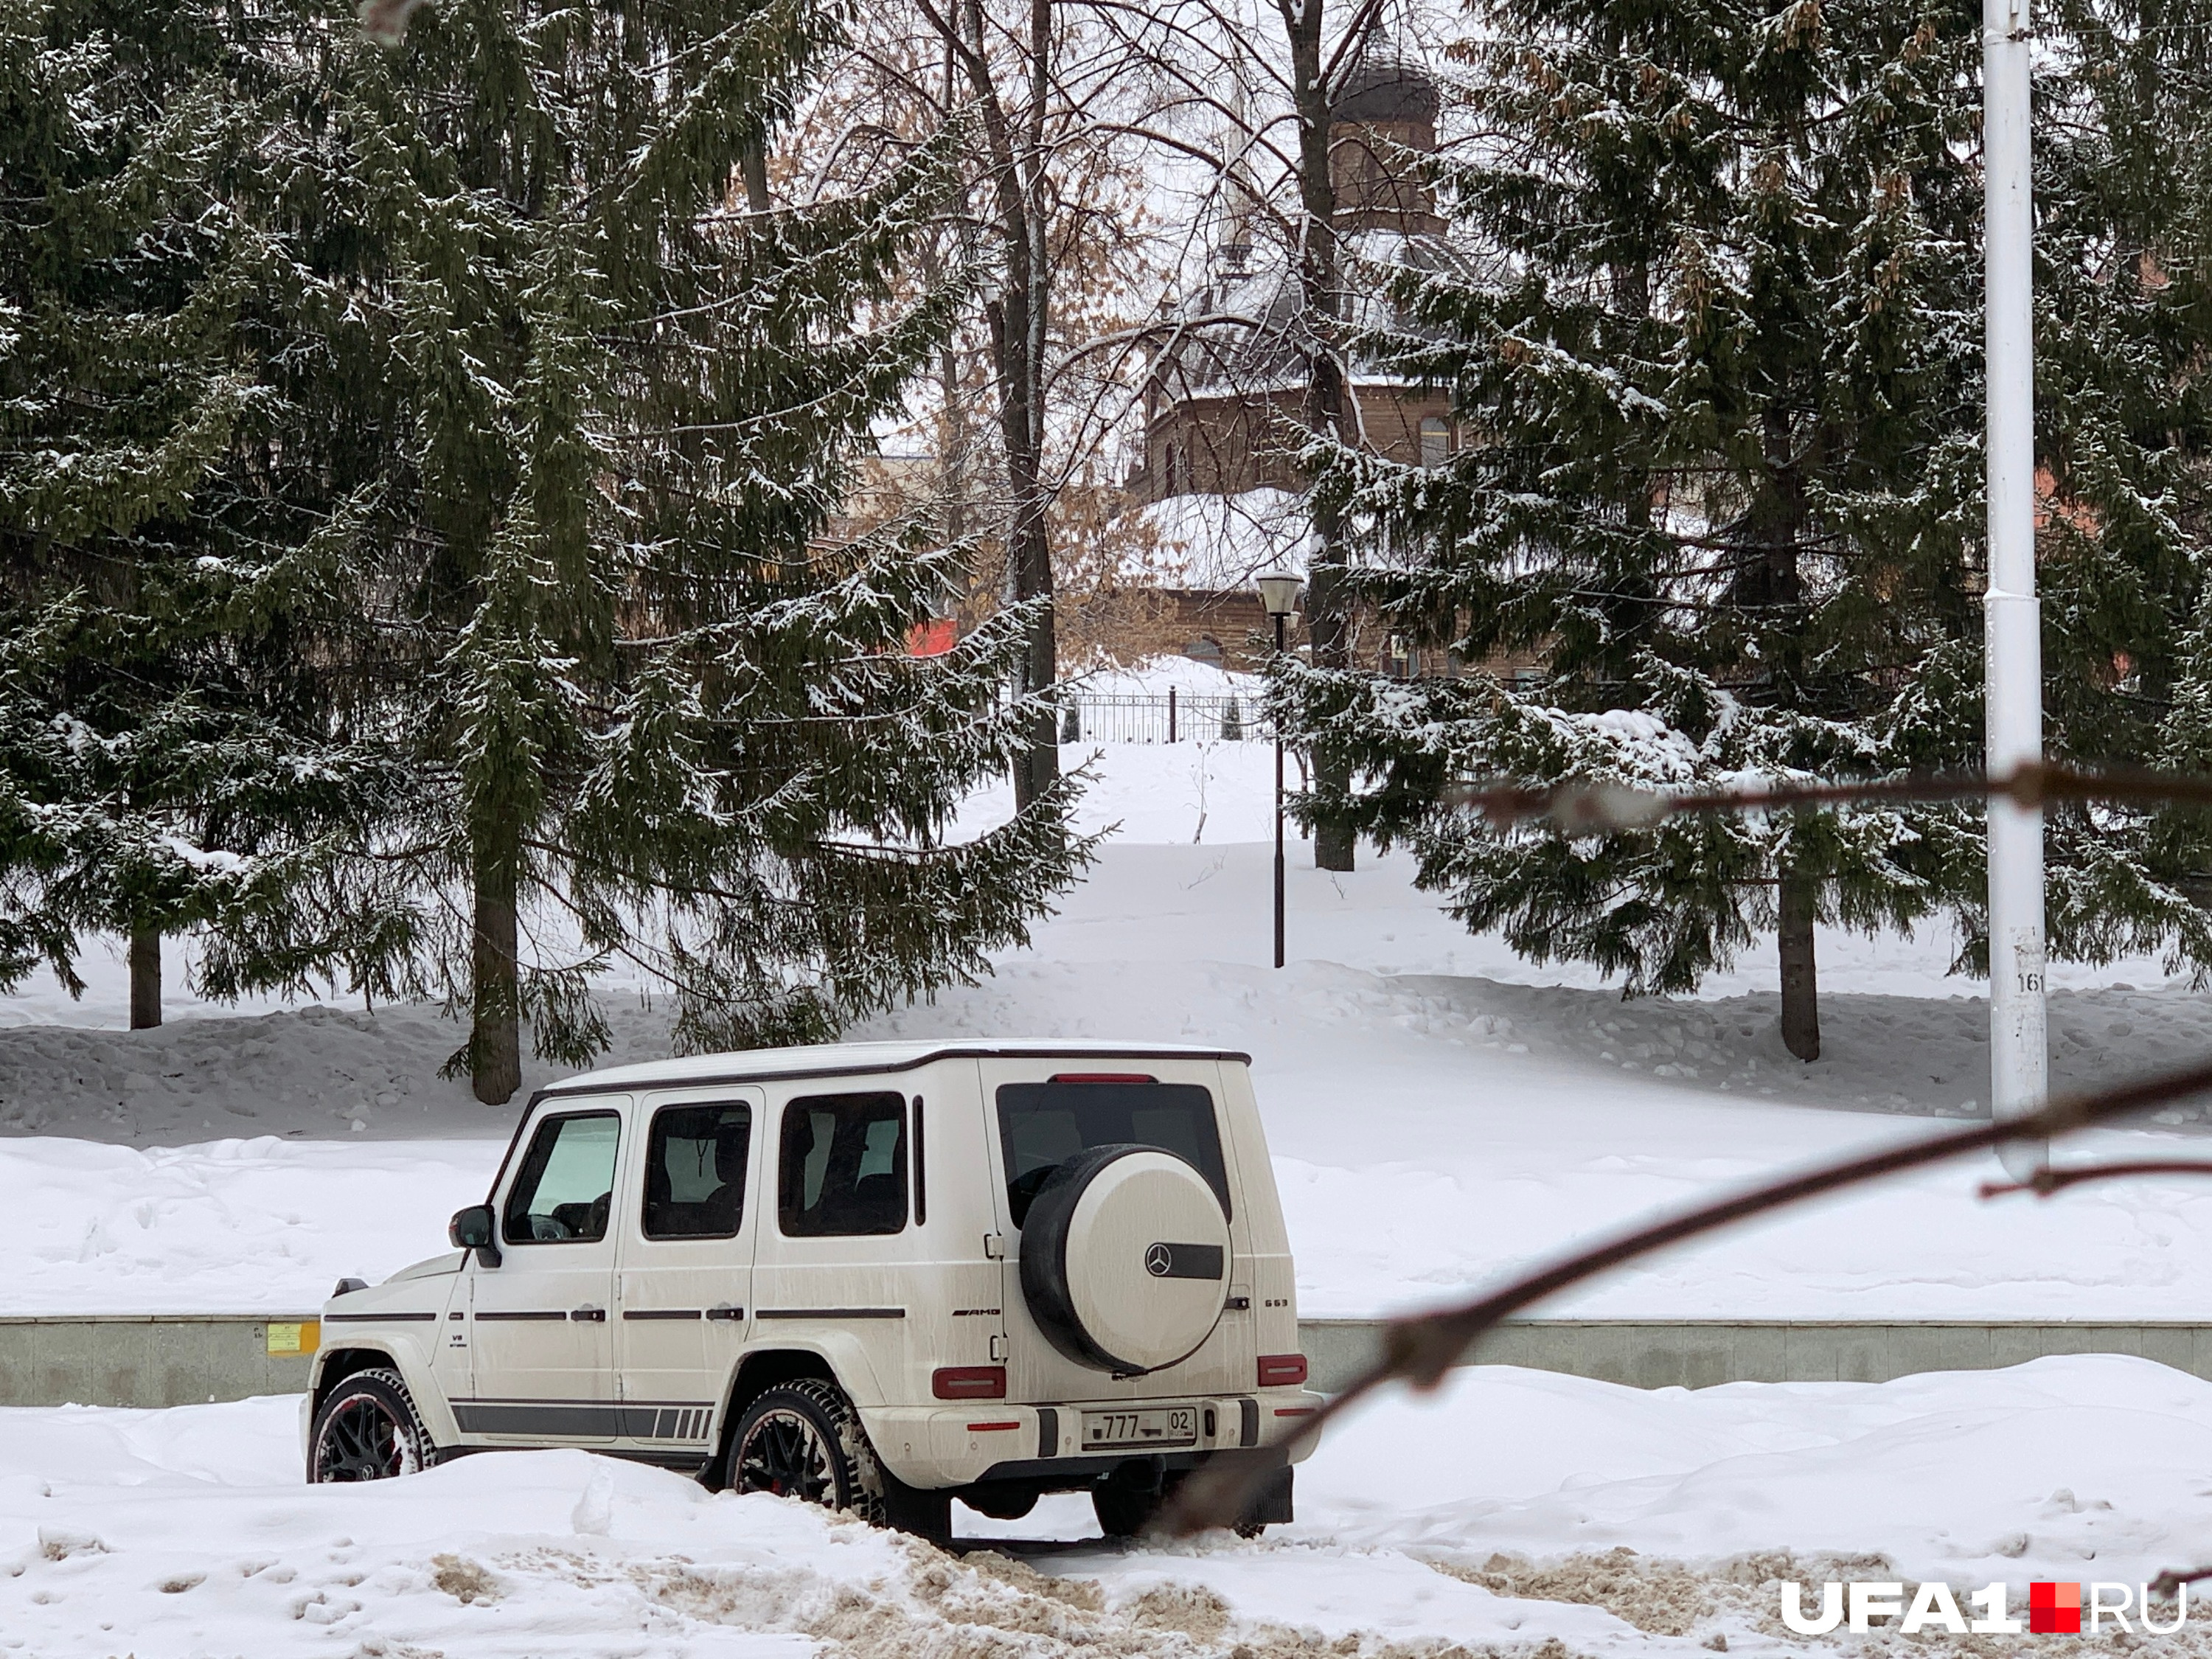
pixel 1386 89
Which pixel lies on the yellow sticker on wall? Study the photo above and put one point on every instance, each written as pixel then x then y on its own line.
pixel 294 1338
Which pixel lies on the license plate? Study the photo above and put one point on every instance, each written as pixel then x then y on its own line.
pixel 1170 1425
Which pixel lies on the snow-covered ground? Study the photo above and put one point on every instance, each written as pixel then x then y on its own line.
pixel 1433 1122
pixel 1496 1517
pixel 1439 1111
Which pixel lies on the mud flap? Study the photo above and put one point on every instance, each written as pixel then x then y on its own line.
pixel 910 1510
pixel 1270 1504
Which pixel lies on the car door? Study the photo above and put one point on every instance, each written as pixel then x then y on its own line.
pixel 684 1263
pixel 539 1324
pixel 835 1267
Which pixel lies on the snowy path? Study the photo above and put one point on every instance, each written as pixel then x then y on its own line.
pixel 187 1532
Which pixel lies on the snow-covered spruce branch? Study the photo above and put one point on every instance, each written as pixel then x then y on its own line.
pixel 1606 808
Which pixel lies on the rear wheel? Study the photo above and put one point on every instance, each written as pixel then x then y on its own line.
pixel 803 1440
pixel 1128 1502
pixel 367 1429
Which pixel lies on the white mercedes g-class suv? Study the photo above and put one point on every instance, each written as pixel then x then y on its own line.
pixel 878 1276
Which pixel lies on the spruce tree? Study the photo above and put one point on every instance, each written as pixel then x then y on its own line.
pixel 1722 383
pixel 658 711
pixel 2126 176
pixel 174 752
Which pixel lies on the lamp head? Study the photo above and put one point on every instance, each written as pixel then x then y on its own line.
pixel 1279 592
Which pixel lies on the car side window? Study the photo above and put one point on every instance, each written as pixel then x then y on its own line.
pixel 842 1169
pixel 695 1172
pixel 566 1183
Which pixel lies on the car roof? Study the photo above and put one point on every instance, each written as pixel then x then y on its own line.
pixel 848 1059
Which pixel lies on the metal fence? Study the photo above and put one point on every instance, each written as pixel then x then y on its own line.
pixel 1172 716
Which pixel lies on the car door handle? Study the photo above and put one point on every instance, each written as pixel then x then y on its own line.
pixel 597 1316
pixel 724 1310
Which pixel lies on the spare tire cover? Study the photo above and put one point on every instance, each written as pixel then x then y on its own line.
pixel 1124 1259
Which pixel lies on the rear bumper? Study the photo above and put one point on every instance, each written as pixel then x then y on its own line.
pixel 940 1446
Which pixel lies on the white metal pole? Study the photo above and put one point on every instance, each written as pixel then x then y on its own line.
pixel 2019 1060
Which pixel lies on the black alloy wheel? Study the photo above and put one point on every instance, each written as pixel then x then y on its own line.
pixel 367 1429
pixel 787 1456
pixel 803 1440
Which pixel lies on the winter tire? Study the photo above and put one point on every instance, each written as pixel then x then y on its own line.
pixel 367 1429
pixel 1128 1505
pixel 803 1440
pixel 1125 1260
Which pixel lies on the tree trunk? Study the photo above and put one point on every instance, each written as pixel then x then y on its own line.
pixel 1800 982
pixel 752 163
pixel 496 1005
pixel 145 978
pixel 1022 203
pixel 1328 626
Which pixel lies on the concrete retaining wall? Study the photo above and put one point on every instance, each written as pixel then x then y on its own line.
pixel 1697 1353
pixel 152 1359
pixel 147 1359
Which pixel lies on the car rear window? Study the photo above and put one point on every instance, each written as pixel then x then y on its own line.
pixel 843 1166
pixel 1042 1125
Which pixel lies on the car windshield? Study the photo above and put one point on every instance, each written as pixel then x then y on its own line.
pixel 1042 1125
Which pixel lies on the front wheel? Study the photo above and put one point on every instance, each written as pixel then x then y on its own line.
pixel 367 1429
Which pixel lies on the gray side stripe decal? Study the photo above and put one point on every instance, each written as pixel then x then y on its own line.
pixel 584 1419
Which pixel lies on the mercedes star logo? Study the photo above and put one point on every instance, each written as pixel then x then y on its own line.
pixel 1158 1260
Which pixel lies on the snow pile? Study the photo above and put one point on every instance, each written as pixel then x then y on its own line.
pixel 1493 1516
pixel 188 1532
pixel 2084 1466
pixel 260 1226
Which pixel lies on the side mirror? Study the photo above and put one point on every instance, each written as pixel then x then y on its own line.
pixel 476 1228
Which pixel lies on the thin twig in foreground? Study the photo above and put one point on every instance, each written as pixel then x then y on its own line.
pixel 1420 1350
pixel 2049 1180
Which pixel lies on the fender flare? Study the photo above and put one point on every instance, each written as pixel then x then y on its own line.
pixel 414 1367
pixel 838 1355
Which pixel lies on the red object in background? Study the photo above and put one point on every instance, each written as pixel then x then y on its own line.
pixel 932 638
pixel 2054 1609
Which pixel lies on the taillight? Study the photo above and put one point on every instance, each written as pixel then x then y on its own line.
pixel 1280 1371
pixel 980 1381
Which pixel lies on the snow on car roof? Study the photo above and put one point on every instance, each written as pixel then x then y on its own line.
pixel 834 1059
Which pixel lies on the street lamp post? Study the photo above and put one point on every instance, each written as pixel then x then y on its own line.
pixel 2019 1055
pixel 1279 592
